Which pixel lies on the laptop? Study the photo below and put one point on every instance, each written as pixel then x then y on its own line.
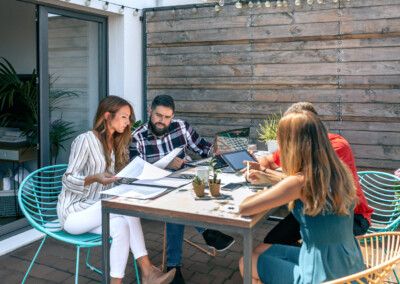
pixel 225 142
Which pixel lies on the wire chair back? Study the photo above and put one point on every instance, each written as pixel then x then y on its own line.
pixel 382 191
pixel 381 253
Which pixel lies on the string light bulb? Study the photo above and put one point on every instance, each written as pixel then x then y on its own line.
pixel 221 3
pixel 105 6
pixel 87 3
pixel 194 10
pixel 259 4
pixel 217 8
pixel 335 1
pixel 320 1
pixel 136 12
pixel 267 4
pixel 297 3
pixel 238 5
pixel 278 3
pixel 310 2
pixel 251 4
pixel 285 3
pixel 121 9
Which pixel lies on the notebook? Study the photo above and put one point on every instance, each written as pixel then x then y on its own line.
pixel 225 142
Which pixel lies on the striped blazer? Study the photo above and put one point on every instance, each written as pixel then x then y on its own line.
pixel 86 158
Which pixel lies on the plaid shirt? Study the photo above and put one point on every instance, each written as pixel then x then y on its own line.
pixel 180 134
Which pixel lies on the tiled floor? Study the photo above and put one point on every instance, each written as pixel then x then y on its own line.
pixel 56 262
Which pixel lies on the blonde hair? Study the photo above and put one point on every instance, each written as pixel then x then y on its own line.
pixel 112 104
pixel 305 147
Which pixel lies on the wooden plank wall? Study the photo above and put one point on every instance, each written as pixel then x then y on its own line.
pixel 232 68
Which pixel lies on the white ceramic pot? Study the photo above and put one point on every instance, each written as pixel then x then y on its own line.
pixel 272 146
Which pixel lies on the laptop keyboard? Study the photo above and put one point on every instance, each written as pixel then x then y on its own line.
pixel 206 162
pixel 232 144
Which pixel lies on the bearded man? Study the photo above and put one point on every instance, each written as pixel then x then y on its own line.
pixel 153 141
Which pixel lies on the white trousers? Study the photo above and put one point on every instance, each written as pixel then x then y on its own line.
pixel 126 232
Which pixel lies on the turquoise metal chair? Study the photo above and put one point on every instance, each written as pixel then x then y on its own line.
pixel 382 191
pixel 37 197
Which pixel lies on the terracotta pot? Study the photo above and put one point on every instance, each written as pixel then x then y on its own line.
pixel 214 188
pixel 199 189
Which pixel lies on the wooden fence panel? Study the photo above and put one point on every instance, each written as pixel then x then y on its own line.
pixel 231 69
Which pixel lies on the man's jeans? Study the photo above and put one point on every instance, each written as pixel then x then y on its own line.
pixel 174 243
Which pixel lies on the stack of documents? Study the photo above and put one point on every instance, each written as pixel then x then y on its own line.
pixel 150 181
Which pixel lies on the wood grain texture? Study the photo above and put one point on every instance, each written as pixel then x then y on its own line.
pixel 235 67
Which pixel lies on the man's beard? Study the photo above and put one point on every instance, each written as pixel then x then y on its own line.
pixel 156 131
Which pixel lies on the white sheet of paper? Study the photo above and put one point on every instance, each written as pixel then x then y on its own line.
pixel 231 178
pixel 135 191
pixel 168 182
pixel 140 169
pixel 164 162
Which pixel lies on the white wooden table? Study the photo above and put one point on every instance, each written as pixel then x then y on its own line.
pixel 180 206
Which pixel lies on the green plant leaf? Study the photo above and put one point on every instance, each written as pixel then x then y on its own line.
pixel 269 130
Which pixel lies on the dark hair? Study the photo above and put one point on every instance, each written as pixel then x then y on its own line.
pixel 300 106
pixel 112 104
pixel 163 100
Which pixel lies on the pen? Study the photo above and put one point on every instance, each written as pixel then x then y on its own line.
pixel 248 168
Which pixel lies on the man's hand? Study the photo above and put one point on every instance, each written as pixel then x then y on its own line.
pixel 103 178
pixel 176 163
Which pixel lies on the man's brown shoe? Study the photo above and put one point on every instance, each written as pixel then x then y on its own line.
pixel 156 276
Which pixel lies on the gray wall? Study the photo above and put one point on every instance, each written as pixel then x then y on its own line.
pixel 17 35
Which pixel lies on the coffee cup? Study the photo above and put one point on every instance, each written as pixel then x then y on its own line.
pixel 203 173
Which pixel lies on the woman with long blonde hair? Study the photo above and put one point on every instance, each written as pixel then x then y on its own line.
pixel 96 156
pixel 321 194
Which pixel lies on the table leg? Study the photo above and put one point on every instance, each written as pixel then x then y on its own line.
pixel 247 257
pixel 106 245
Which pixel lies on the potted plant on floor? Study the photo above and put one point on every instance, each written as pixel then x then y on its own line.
pixel 214 183
pixel 269 131
pixel 19 108
pixel 198 186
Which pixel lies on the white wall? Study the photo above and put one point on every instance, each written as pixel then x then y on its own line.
pixel 17 34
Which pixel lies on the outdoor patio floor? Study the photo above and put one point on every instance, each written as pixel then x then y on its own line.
pixel 56 262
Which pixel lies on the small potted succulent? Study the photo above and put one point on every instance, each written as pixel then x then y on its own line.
pixel 214 183
pixel 198 186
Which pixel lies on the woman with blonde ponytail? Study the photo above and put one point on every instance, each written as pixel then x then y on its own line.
pixel 321 194
pixel 96 156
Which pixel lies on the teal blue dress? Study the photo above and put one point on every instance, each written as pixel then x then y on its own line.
pixel 329 251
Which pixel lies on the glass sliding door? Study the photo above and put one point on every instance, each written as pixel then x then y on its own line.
pixel 72 79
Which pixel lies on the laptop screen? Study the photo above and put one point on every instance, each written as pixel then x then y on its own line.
pixel 231 140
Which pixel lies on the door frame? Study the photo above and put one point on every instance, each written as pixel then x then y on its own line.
pixel 43 69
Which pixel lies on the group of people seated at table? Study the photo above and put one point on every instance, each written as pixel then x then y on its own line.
pixel 318 180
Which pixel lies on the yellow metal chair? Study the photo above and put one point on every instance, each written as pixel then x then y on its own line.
pixel 381 252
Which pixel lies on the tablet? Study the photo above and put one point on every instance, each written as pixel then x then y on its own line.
pixel 235 159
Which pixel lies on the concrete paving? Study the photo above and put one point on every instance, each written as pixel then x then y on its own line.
pixel 56 262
